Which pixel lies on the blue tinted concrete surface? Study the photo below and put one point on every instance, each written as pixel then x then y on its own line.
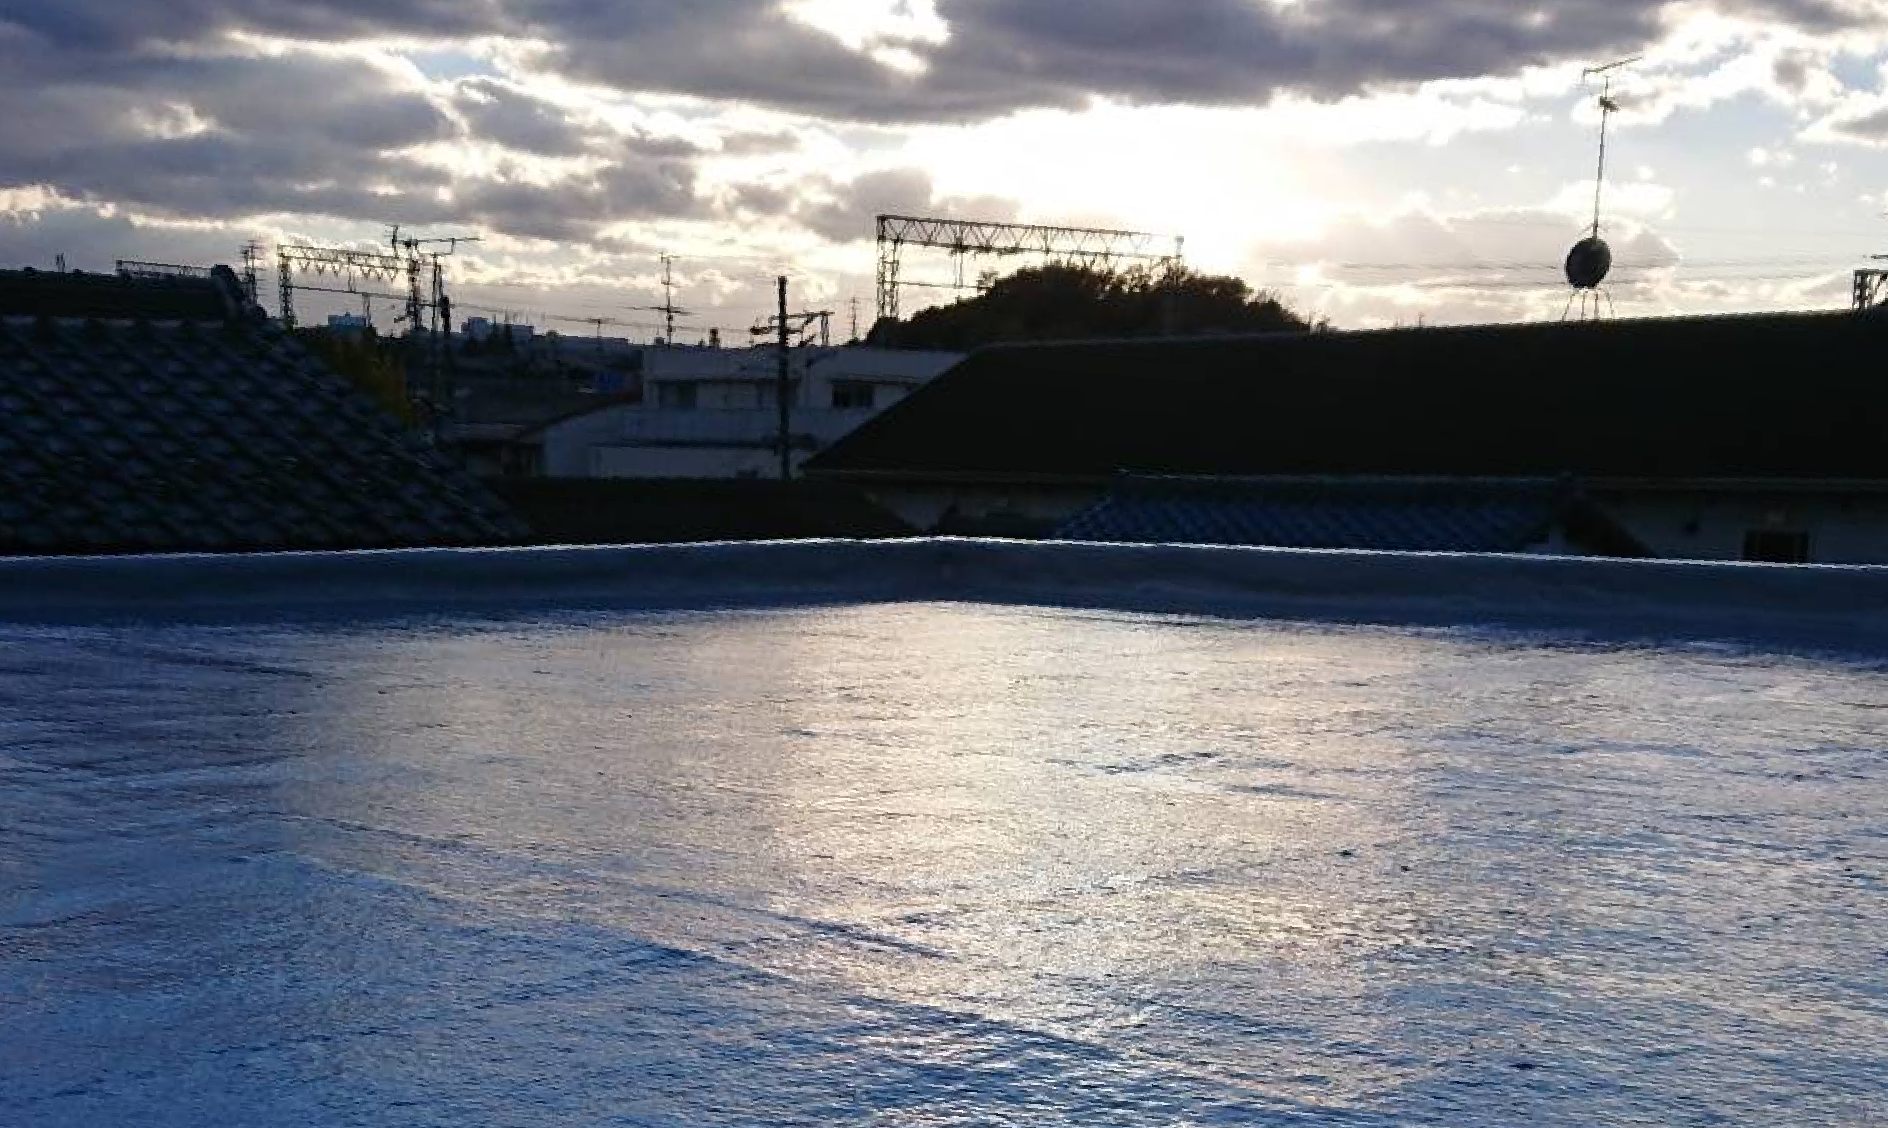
pixel 936 862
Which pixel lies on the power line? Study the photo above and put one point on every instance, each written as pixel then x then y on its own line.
pixel 1527 285
pixel 1561 223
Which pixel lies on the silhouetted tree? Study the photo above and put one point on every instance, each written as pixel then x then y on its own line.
pixel 371 364
pixel 1061 303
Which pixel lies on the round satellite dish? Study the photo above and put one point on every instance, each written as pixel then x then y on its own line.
pixel 1588 264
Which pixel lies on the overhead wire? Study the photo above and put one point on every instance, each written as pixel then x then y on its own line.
pixel 1464 274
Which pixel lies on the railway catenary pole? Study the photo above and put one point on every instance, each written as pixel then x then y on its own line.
pixel 784 389
pixel 1084 246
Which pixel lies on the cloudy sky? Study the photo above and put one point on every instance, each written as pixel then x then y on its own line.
pixel 1375 161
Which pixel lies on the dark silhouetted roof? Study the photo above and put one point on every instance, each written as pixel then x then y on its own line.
pixel 36 293
pixel 1773 396
pixel 1386 515
pixel 678 510
pixel 142 436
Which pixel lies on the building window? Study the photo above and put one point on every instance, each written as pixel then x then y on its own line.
pixel 675 397
pixel 853 394
pixel 1776 548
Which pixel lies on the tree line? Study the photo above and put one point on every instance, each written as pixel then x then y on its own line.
pixel 1064 302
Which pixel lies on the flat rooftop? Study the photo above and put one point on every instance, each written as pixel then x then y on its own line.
pixel 940 832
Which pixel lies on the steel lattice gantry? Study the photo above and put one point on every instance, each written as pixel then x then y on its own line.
pixel 1089 246
pixel 427 347
pixel 1871 288
pixel 346 265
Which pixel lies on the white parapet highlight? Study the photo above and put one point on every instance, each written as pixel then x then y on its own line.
pixel 1844 606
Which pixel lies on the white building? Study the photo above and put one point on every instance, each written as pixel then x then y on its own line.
pixel 713 413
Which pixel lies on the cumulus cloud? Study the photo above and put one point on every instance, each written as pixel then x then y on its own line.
pixel 577 208
pixel 220 111
pixel 1499 264
pixel 968 59
pixel 108 27
pixel 1860 120
pixel 38 226
pixel 217 136
pixel 847 212
pixel 231 130
pixel 502 113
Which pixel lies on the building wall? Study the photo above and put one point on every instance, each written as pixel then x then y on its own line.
pixel 687 462
pixel 817 426
pixel 1713 525
pixel 713 413
pixel 567 444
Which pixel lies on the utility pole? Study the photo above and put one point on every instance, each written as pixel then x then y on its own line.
pixel 445 379
pixel 252 271
pixel 287 279
pixel 415 341
pixel 855 320
pixel 668 297
pixel 784 390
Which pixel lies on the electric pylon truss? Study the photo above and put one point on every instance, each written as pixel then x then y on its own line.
pixel 349 269
pixel 356 273
pixel 1085 246
pixel 1871 288
pixel 158 271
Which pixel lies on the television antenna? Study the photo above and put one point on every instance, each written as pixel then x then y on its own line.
pixel 668 309
pixel 1591 259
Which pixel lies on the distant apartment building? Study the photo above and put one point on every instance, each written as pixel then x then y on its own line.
pixel 714 413
pixel 348 324
pixel 483 329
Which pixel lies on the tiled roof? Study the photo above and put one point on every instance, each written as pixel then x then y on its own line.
pixel 1385 516
pixel 1773 396
pixel 123 437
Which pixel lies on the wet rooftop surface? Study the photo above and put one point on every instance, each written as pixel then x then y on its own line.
pixel 935 863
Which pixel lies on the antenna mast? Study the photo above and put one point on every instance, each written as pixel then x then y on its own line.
pixel 668 297
pixel 1591 260
pixel 1608 108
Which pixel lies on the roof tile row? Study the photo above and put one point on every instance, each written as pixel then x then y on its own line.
pixel 147 437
